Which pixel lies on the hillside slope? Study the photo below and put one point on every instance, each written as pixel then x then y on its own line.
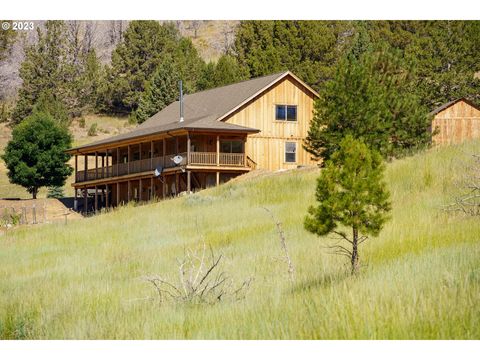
pixel 421 278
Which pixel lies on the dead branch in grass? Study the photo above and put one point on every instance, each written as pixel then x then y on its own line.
pixel 283 243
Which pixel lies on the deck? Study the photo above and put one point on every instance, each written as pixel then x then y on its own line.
pixel 194 160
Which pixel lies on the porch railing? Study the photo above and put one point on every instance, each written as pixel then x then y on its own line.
pixel 138 166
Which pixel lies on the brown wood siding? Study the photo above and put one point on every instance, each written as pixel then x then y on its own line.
pixel 457 123
pixel 267 148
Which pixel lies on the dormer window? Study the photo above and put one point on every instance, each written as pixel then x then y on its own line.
pixel 286 112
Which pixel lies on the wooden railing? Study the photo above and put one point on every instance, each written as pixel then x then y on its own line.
pixel 138 166
pixel 232 159
pixel 203 158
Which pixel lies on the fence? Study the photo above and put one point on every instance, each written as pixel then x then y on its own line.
pixel 23 215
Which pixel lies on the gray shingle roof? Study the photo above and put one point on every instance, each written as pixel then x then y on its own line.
pixel 202 110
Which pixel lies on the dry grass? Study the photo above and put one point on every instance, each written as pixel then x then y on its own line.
pixel 420 280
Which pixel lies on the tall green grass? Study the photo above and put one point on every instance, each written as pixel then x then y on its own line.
pixel 420 279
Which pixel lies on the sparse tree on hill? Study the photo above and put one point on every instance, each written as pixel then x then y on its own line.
pixel 35 156
pixel 351 194
pixel 43 68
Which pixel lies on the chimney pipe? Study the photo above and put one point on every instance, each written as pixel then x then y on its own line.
pixel 181 100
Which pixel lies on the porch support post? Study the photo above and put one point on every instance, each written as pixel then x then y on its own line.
pixel 218 178
pixel 85 200
pixel 164 190
pixel 188 148
pixel 128 161
pixel 151 189
pixel 75 200
pixel 118 159
pixel 85 177
pixel 129 191
pixel 245 151
pixel 96 199
pixel 176 184
pixel 140 183
pixel 103 167
pixel 96 165
pixel 189 179
pixel 107 202
pixel 218 150
pixel 164 151
pixel 76 168
pixel 118 193
pixel 151 155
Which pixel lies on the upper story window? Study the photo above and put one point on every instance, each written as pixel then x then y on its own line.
pixel 286 112
pixel 231 146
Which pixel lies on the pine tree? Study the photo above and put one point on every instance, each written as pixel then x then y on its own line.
pixel 160 92
pixel 35 156
pixel 48 103
pixel 308 48
pixel 351 194
pixel 228 71
pixel 206 79
pixel 370 98
pixel 43 69
pixel 135 60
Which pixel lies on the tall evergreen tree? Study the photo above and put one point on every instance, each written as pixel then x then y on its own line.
pixel 369 98
pixel 160 92
pixel 136 58
pixel 43 68
pixel 308 48
pixel 48 103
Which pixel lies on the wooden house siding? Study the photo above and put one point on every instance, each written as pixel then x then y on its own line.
pixel 267 148
pixel 456 123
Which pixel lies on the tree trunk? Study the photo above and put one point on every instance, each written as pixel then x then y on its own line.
pixel 355 251
pixel 34 193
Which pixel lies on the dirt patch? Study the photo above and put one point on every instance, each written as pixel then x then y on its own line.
pixel 46 210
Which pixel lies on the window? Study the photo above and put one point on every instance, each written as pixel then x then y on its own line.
pixel 286 112
pixel 290 152
pixel 231 146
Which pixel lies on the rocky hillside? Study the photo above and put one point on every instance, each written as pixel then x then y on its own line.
pixel 210 37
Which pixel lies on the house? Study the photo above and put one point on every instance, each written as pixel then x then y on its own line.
pixel 456 121
pixel 206 139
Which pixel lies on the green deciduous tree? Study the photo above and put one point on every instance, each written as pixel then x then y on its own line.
pixel 35 156
pixel 370 97
pixel 160 92
pixel 351 194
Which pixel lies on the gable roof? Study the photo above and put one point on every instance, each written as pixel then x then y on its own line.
pixel 453 102
pixel 204 110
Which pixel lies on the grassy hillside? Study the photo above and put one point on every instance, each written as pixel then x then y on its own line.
pixel 421 278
